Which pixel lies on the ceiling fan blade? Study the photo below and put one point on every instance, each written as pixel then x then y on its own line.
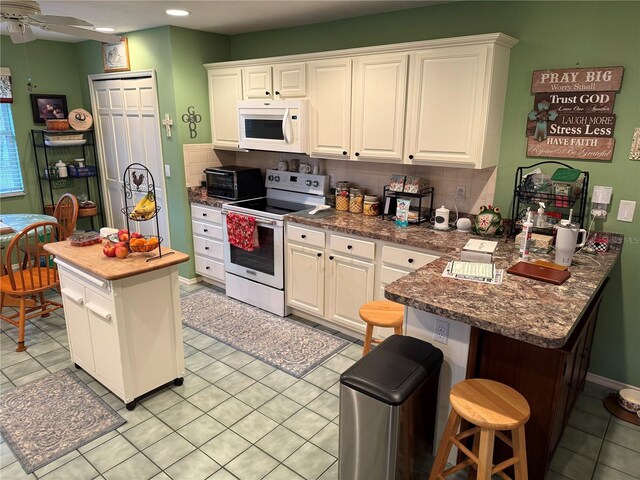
pixel 59 20
pixel 20 32
pixel 83 32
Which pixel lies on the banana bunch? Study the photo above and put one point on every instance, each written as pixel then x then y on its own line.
pixel 144 209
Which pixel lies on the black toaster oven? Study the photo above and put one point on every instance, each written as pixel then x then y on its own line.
pixel 234 182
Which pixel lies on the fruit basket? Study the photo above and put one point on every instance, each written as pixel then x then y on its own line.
pixel 146 243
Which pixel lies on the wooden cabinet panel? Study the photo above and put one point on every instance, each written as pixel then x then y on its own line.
pixel 350 287
pixel 256 82
pixel 290 80
pixel 225 89
pixel 330 94
pixel 305 279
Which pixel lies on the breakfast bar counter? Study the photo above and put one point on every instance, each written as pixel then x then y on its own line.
pixel 123 317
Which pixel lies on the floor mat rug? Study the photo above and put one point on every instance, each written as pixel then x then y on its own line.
pixel 44 420
pixel 285 344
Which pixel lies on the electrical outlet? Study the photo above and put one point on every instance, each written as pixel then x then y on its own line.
pixel 626 210
pixel 461 193
pixel 441 333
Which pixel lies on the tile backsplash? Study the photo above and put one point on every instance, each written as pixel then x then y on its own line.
pixel 479 184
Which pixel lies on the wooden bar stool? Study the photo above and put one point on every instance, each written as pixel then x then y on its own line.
pixel 491 407
pixel 381 313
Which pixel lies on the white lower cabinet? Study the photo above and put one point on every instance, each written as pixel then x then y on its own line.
pixel 126 333
pixel 350 285
pixel 331 275
pixel 207 227
pixel 305 278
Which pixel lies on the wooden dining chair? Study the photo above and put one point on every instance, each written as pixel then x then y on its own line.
pixel 66 212
pixel 38 276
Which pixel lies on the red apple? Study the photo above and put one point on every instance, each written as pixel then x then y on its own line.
pixel 136 235
pixel 123 237
pixel 123 230
pixel 122 251
pixel 109 250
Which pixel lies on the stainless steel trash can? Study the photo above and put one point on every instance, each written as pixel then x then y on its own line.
pixel 388 411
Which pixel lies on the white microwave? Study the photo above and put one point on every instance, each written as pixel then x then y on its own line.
pixel 277 126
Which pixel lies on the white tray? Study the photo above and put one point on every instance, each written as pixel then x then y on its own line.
pixel 64 143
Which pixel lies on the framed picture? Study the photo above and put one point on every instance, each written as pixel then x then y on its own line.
pixel 115 56
pixel 46 107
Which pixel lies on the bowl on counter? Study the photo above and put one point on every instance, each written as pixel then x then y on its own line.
pixel 629 399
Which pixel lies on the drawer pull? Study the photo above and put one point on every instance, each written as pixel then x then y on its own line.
pixel 330 257
pixel 349 247
pixel 205 230
pixel 204 214
pixel 100 312
pixel 206 248
pixel 207 267
pixel 319 254
pixel 71 295
pixel 303 236
pixel 410 260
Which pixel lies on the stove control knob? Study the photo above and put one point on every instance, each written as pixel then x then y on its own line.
pixel 307 183
pixel 276 178
pixel 316 183
pixel 270 178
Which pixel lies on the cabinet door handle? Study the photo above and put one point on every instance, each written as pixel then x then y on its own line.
pixel 266 93
pixel 204 214
pixel 349 247
pixel 205 230
pixel 207 267
pixel 277 93
pixel 344 152
pixel 206 248
pixel 410 260
pixel 319 254
pixel 100 312
pixel 303 236
pixel 410 157
pixel 71 295
pixel 357 154
pixel 330 257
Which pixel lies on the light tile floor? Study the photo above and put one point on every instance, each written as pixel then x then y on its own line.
pixel 236 417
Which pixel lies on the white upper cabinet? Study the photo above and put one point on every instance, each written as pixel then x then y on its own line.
pixel 290 80
pixel 256 82
pixel 278 82
pixel 225 89
pixel 378 108
pixel 455 105
pixel 330 95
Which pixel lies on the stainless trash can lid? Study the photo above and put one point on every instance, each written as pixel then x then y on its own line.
pixel 392 371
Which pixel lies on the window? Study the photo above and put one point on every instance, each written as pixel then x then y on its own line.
pixel 10 174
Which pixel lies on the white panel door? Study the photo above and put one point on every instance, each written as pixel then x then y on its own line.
pixel 128 131
pixel 305 279
pixel 290 80
pixel 446 92
pixel 256 82
pixel 330 95
pixel 378 114
pixel 225 89
pixel 350 286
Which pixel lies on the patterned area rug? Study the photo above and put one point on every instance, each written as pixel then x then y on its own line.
pixel 282 343
pixel 52 416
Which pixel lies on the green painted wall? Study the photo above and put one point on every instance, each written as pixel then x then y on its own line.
pixel 54 70
pixel 552 35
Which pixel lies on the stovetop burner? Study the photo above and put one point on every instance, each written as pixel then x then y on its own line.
pixel 270 205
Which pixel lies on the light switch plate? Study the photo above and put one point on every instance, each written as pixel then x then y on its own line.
pixel 167 170
pixel 626 210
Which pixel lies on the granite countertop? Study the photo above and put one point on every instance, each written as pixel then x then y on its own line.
pixel 92 260
pixel 528 310
pixel 194 195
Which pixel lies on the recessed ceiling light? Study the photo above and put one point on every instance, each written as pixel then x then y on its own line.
pixel 104 29
pixel 177 13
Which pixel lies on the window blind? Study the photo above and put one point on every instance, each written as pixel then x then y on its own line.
pixel 10 173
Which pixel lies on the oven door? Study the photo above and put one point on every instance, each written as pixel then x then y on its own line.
pixel 265 264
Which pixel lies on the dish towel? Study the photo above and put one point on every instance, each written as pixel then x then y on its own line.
pixel 242 231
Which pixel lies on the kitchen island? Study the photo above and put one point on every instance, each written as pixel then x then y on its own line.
pixel 123 317
pixel 535 337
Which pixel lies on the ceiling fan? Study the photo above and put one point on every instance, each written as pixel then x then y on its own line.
pixel 21 15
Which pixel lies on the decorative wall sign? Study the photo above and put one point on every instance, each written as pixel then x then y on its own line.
pixel 168 123
pixel 634 154
pixel 6 94
pixel 192 118
pixel 115 56
pixel 573 113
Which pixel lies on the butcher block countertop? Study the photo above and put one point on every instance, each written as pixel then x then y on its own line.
pixel 92 260
pixel 534 312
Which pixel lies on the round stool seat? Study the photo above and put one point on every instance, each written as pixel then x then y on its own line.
pixel 489 404
pixel 382 313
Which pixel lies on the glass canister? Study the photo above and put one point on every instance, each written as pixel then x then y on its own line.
pixel 342 196
pixel 356 200
pixel 371 205
pixel 331 198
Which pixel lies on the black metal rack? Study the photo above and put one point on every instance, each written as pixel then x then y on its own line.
pixel 137 179
pixel 524 197
pixel 389 209
pixel 55 152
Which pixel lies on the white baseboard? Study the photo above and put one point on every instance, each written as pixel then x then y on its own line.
pixel 607 382
pixel 189 281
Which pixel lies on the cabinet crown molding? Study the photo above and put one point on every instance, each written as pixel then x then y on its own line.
pixel 495 38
